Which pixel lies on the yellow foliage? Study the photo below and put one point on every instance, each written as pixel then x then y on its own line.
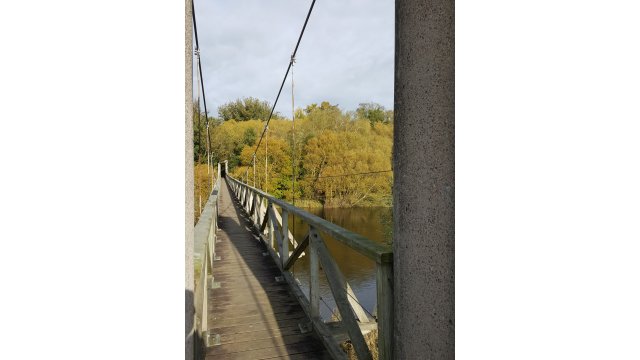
pixel 202 186
pixel 330 147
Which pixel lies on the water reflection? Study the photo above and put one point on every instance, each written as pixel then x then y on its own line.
pixel 374 223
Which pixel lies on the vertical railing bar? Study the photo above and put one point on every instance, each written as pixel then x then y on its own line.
pixel 314 272
pixel 284 248
pixel 270 227
pixel 204 326
pixel 253 211
pixel 384 289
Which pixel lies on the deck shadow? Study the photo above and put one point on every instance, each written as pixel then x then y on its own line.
pixel 254 315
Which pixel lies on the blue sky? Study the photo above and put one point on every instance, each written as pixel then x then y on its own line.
pixel 345 57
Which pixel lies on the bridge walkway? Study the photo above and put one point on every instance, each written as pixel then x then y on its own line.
pixel 255 316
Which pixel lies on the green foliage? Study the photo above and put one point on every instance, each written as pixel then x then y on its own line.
pixel 249 137
pixel 199 136
pixel 245 109
pixel 374 113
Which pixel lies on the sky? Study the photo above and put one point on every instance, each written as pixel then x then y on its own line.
pixel 345 57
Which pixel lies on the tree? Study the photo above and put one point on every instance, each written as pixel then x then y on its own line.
pixel 374 113
pixel 245 109
pixel 199 135
pixel 332 155
pixel 324 117
pixel 340 158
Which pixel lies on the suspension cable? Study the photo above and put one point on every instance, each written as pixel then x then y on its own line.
pixel 293 146
pixel 196 53
pixel 266 156
pixel 285 75
pixel 293 139
pixel 362 173
pixel 204 99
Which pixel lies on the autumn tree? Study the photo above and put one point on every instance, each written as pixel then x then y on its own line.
pixel 229 138
pixel 333 158
pixel 278 181
pixel 323 117
pixel 245 109
pixel 341 158
pixel 374 112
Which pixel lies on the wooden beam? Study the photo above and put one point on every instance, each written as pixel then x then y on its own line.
pixel 314 274
pixel 296 253
pixel 264 221
pixel 339 290
pixel 384 288
pixel 323 331
pixel 284 246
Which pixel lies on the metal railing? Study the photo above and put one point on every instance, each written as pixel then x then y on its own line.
pixel 205 233
pixel 273 230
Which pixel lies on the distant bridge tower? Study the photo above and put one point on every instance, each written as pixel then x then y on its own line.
pixel 423 189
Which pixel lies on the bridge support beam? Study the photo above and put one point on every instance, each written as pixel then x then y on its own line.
pixel 423 189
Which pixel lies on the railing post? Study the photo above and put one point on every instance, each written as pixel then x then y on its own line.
pixel 384 281
pixel 255 208
pixel 260 214
pixel 284 249
pixel 270 229
pixel 210 243
pixel 204 326
pixel 314 270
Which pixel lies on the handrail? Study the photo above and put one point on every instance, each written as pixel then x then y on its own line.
pixel 205 233
pixel 363 245
pixel 272 227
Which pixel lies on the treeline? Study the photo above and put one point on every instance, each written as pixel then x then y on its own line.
pixel 340 158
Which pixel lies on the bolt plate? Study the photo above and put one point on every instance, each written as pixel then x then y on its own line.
pixel 212 340
pixel 305 327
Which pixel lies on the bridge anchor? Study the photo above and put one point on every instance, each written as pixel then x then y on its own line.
pixel 212 340
pixel 213 284
pixel 305 327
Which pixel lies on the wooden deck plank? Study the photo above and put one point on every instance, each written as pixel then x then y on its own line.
pixel 261 318
pixel 255 344
pixel 255 316
pixel 266 353
pixel 239 306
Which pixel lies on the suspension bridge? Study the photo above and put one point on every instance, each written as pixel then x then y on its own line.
pixel 248 302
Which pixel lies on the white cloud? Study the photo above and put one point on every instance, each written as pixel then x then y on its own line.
pixel 345 57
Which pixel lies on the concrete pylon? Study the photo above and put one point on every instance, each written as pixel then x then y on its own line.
pixel 423 189
pixel 189 311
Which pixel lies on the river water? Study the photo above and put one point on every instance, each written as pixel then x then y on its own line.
pixel 374 223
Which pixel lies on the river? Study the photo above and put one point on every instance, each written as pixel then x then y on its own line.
pixel 374 223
